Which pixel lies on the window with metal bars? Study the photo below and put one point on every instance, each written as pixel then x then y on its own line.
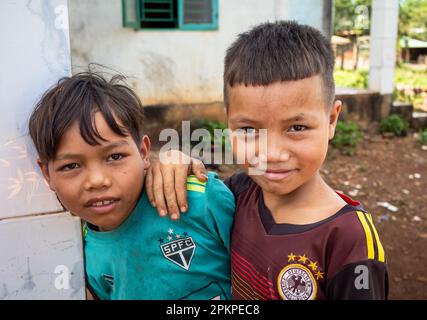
pixel 170 14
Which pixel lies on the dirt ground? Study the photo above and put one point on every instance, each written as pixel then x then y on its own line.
pixel 392 170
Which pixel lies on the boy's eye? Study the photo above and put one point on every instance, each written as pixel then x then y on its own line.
pixel 68 167
pixel 115 157
pixel 297 128
pixel 246 130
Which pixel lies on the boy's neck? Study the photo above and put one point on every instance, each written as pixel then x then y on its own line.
pixel 310 203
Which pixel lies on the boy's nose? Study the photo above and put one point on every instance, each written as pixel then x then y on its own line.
pixel 97 179
pixel 276 151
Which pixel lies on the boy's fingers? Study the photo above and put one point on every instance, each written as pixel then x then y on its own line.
pixel 199 169
pixel 158 191
pixel 169 192
pixel 181 188
pixel 149 186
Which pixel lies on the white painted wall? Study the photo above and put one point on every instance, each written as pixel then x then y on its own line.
pixel 41 258
pixel 173 66
pixel 34 54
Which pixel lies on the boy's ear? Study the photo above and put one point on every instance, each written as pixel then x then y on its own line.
pixel 333 118
pixel 144 150
pixel 45 171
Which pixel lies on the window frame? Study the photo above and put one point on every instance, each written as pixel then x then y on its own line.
pixel 133 25
pixel 198 26
pixel 180 25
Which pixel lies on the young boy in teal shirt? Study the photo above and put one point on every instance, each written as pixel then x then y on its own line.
pixel 93 154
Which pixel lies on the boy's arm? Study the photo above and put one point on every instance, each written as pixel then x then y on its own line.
pixel 166 181
pixel 363 280
pixel 357 267
pixel 89 295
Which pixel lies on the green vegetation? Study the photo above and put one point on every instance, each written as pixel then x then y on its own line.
pixel 403 76
pixel 211 126
pixel 347 135
pixel 410 83
pixel 408 76
pixel 422 137
pixel 351 79
pixel 412 19
pixel 394 124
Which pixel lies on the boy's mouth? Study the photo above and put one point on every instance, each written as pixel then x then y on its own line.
pixel 276 175
pixel 102 205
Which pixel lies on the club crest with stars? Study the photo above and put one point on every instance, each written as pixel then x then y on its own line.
pixel 298 279
pixel 178 248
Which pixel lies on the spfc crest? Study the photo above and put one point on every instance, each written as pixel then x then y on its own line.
pixel 179 249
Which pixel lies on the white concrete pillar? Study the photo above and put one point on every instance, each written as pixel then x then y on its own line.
pixel 382 56
pixel 41 253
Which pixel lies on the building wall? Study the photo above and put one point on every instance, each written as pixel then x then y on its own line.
pixel 173 66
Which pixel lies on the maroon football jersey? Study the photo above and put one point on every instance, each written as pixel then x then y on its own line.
pixel 340 257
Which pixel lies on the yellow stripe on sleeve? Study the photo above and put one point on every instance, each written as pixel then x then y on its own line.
pixel 196 188
pixel 193 179
pixel 369 239
pixel 381 253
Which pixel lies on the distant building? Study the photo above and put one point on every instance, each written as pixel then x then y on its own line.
pixel 414 50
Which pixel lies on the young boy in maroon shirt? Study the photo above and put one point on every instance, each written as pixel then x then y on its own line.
pixel 294 237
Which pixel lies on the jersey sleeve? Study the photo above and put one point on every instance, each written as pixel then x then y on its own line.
pixel 220 208
pixel 361 280
pixel 358 269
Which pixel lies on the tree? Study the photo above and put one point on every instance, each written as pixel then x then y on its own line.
pixel 413 19
pixel 352 17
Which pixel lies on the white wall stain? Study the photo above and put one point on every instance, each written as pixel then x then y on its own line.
pixel 75 280
pixel 28 278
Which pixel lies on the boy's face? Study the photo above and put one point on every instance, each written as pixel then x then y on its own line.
pixel 101 183
pixel 299 126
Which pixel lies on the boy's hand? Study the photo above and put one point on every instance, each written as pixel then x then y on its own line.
pixel 166 182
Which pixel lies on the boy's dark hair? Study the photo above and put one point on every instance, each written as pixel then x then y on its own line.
pixel 78 98
pixel 279 51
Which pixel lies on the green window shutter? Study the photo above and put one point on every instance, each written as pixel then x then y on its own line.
pixel 198 14
pixel 157 11
pixel 131 14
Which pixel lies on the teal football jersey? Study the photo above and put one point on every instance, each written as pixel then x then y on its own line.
pixel 150 257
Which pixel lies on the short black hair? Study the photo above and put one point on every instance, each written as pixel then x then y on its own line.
pixel 78 98
pixel 279 51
